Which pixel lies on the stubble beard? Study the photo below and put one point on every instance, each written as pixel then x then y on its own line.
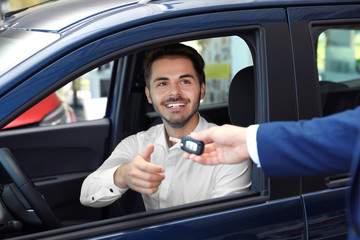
pixel 179 123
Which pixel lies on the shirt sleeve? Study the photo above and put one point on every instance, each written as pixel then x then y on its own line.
pixel 252 144
pixel 99 189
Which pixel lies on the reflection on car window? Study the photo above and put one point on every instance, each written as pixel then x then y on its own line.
pixel 83 99
pixel 338 61
pixel 87 95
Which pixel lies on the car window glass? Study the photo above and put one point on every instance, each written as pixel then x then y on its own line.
pixel 87 95
pixel 338 62
pixel 83 99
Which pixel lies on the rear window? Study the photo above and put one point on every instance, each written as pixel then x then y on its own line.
pixel 338 62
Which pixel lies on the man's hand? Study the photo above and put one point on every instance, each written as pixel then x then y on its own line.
pixel 140 175
pixel 224 144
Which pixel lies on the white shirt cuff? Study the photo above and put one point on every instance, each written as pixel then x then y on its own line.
pixel 108 178
pixel 252 144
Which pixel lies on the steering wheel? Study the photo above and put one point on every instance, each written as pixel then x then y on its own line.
pixel 24 186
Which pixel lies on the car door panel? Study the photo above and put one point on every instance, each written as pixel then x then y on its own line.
pixel 58 158
pixel 326 214
pixel 250 220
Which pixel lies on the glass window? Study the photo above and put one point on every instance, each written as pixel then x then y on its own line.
pixel 338 62
pixel 87 94
pixel 83 99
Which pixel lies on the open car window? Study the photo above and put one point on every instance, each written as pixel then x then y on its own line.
pixel 224 57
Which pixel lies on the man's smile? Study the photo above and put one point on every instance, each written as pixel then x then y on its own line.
pixel 176 105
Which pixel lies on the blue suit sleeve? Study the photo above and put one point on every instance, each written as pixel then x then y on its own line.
pixel 309 147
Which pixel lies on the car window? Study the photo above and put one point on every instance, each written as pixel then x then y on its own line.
pixel 83 99
pixel 87 94
pixel 224 57
pixel 338 62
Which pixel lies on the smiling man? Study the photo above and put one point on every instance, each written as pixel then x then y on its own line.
pixel 148 162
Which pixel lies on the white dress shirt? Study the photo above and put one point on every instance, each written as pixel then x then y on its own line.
pixel 185 180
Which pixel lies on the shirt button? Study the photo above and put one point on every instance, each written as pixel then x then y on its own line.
pixel 93 198
pixel 111 190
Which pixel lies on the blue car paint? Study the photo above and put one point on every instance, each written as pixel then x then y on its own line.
pixel 240 223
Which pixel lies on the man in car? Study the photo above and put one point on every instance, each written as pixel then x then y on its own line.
pixel 148 162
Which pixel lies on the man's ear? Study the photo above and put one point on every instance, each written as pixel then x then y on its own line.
pixel 202 91
pixel 147 92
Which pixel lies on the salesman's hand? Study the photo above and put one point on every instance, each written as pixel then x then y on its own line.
pixel 140 175
pixel 223 144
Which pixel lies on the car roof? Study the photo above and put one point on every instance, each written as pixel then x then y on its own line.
pixel 57 16
pixel 63 15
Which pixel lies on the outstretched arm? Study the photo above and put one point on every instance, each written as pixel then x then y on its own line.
pixel 111 180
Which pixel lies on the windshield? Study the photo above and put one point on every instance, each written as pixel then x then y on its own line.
pixel 18 45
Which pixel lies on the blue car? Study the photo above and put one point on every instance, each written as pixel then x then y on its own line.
pixel 266 60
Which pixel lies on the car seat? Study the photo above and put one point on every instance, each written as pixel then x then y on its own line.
pixel 242 98
pixel 242 111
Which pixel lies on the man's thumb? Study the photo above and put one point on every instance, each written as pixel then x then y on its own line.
pixel 147 152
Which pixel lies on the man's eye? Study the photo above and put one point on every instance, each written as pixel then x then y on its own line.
pixel 186 82
pixel 161 84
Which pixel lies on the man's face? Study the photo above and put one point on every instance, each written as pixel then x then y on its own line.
pixel 174 90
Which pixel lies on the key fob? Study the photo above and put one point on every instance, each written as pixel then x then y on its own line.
pixel 192 146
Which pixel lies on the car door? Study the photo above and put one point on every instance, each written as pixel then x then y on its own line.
pixel 272 208
pixel 325 55
pixel 248 216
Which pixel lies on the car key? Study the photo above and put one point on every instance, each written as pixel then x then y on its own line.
pixel 189 145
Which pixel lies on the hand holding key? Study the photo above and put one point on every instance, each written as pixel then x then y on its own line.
pixel 223 144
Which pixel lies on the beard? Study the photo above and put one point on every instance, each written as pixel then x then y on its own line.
pixel 177 122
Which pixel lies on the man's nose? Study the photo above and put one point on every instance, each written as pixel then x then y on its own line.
pixel 175 90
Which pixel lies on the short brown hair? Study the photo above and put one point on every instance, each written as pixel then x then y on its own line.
pixel 174 50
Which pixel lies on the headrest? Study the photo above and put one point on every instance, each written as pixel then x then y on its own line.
pixel 242 98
